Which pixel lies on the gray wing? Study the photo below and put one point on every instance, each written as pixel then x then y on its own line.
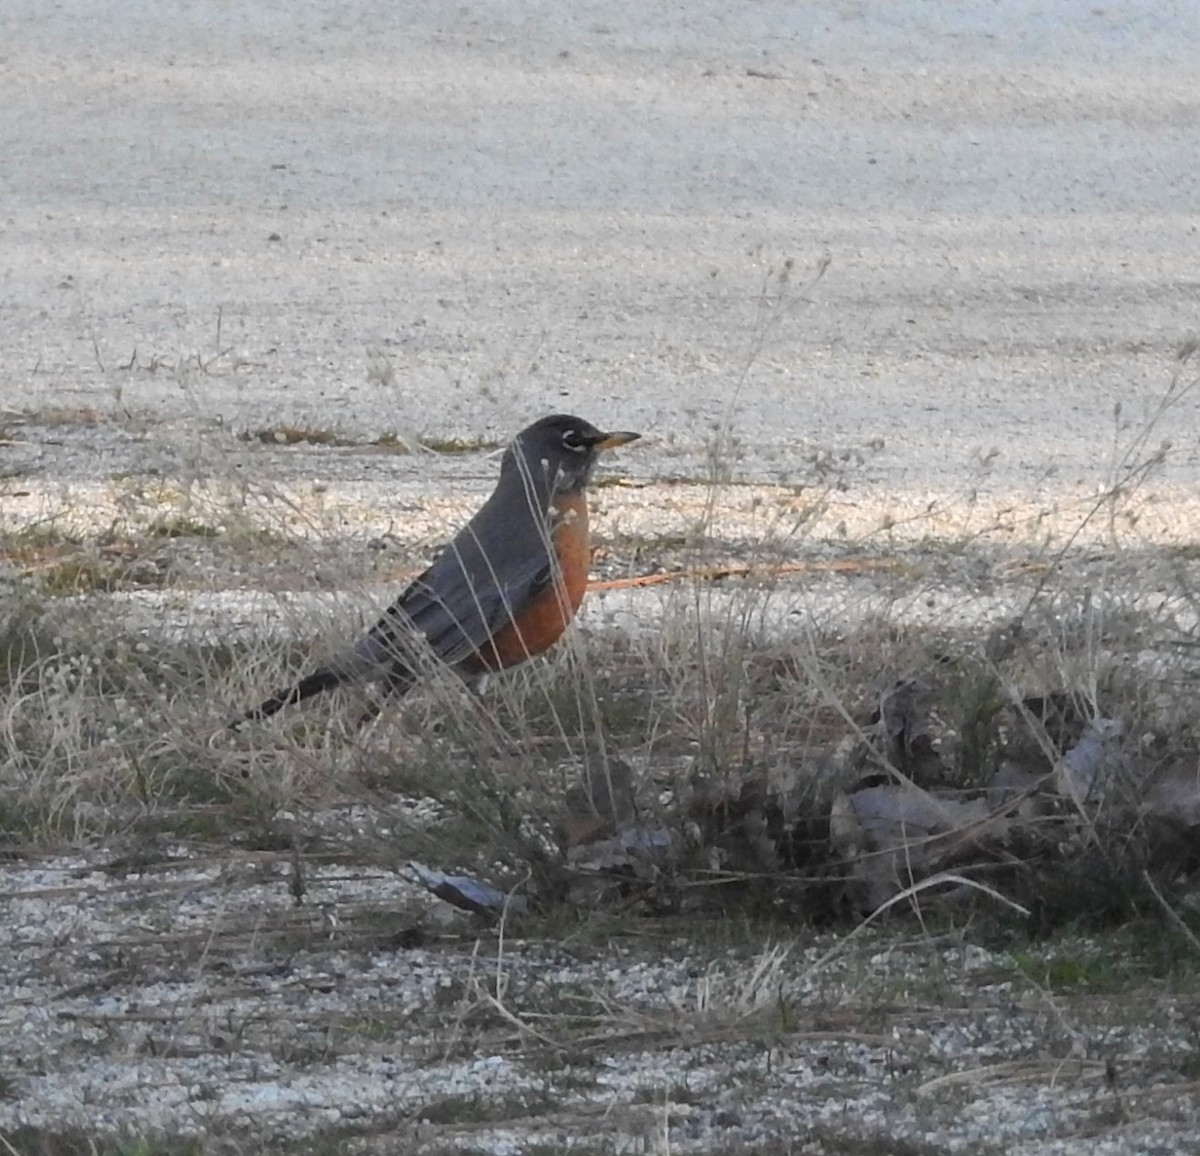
pixel 488 575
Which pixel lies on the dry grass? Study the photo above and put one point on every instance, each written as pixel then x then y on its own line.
pixel 488 1033
pixel 735 713
pixel 742 721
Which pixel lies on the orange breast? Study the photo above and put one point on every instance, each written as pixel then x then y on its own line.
pixel 542 623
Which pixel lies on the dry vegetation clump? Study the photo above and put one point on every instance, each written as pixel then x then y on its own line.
pixel 744 748
pixel 984 734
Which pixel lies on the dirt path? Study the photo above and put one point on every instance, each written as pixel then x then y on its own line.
pixel 191 997
pixel 451 222
pixel 942 253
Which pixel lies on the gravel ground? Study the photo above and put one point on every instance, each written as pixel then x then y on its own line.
pixel 193 996
pixel 446 221
pixel 386 219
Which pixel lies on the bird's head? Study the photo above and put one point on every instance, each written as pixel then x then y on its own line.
pixel 561 450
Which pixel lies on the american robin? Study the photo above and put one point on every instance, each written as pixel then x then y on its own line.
pixel 503 590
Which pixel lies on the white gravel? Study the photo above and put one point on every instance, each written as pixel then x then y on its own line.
pixel 195 998
pixel 577 207
pixel 448 220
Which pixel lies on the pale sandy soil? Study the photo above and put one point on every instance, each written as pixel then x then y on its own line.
pixel 446 220
pixel 192 996
pixel 539 207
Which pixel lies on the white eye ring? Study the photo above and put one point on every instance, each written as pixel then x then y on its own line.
pixel 573 440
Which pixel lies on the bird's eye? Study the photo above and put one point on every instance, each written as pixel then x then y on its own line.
pixel 572 439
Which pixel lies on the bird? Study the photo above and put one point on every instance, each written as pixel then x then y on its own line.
pixel 503 590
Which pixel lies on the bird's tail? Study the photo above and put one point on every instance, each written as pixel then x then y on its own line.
pixel 380 656
pixel 357 664
pixel 326 678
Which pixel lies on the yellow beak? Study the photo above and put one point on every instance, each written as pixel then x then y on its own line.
pixel 619 438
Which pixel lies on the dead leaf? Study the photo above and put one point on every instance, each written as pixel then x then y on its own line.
pixel 472 895
pixel 903 716
pixel 1174 797
pixel 1013 780
pixel 1087 771
pixel 602 803
pixel 625 849
pixel 894 835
